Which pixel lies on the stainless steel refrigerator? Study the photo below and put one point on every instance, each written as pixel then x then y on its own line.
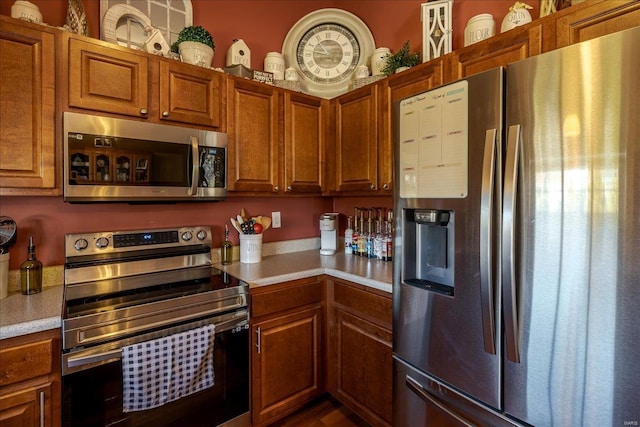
pixel 516 293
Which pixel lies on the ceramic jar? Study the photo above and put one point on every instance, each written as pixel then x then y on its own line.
pixel 478 28
pixel 515 18
pixel 274 63
pixel 379 60
pixel 26 11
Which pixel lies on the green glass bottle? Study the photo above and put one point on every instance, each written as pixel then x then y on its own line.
pixel 227 248
pixel 31 272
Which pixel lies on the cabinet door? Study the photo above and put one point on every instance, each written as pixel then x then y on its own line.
pixel 27 407
pixel 359 356
pixel 364 358
pixel 303 143
pixel 27 110
pixel 398 86
pixel 252 126
pixel 518 43
pixel 108 79
pixel 356 142
pixel 597 20
pixel 190 94
pixel 286 364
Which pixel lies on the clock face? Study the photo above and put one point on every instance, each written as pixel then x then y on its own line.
pixel 325 47
pixel 328 53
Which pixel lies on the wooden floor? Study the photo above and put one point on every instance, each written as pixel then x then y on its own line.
pixel 323 412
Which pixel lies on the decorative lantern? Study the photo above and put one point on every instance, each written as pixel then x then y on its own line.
pixel 436 29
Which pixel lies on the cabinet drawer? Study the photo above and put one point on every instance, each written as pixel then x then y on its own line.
pixel 276 298
pixel 364 302
pixel 25 361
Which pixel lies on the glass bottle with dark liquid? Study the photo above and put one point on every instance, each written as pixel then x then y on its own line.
pixel 31 272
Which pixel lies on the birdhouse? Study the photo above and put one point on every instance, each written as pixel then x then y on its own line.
pixel 239 53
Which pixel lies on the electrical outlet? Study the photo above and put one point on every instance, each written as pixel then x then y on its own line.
pixel 275 220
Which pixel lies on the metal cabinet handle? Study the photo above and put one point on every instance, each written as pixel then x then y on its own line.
pixel 486 241
pixel 418 389
pixel 195 173
pixel 165 114
pixel 372 186
pixel 258 339
pixel 385 186
pixel 276 189
pixel 42 409
pixel 509 215
pixel 143 111
pixel 289 188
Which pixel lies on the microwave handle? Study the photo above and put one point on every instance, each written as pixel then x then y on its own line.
pixel 195 171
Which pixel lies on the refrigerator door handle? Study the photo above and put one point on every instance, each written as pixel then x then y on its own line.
pixel 418 389
pixel 486 241
pixel 509 285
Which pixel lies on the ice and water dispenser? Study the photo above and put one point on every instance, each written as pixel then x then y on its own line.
pixel 428 249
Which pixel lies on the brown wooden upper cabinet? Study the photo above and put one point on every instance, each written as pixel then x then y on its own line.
pixel 27 109
pixel 190 94
pixel 514 45
pixel 304 142
pixel 356 141
pixel 112 79
pixel 253 135
pixel 276 139
pixel 595 20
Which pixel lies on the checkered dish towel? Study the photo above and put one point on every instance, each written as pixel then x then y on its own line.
pixel 165 369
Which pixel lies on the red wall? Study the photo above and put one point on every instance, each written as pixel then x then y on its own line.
pixel 263 25
pixel 48 219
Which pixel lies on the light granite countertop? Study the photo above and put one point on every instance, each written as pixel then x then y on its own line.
pixel 21 314
pixel 281 268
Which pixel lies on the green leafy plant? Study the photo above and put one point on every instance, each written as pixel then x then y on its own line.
pixel 402 58
pixel 194 34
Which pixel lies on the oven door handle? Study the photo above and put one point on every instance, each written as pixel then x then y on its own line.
pixel 76 361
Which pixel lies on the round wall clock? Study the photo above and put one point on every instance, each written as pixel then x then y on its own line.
pixel 326 46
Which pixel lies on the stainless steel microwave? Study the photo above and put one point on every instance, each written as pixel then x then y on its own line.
pixel 116 160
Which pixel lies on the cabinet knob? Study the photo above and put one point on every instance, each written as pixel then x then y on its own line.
pixel 385 186
pixel 143 111
pixel 276 189
pixel 289 188
pixel 372 186
pixel 165 114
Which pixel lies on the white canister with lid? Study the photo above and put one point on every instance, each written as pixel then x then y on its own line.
pixel 26 11
pixel 274 63
pixel 478 28
pixel 379 60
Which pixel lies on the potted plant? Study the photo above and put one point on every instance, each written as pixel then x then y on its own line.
pixel 195 46
pixel 401 60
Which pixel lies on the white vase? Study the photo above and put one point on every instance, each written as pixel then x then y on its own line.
pixel 379 60
pixel 196 53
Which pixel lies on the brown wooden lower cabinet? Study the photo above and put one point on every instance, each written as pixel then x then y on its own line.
pixel 287 362
pixel 359 350
pixel 30 380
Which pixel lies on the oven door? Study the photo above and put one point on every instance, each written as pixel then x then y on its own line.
pixel 92 396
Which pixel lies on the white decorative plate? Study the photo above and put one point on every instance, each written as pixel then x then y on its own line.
pixel 115 14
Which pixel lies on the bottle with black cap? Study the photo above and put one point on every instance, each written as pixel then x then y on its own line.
pixel 31 272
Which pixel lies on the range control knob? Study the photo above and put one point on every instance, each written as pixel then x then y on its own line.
pixel 102 242
pixel 187 235
pixel 202 235
pixel 81 244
